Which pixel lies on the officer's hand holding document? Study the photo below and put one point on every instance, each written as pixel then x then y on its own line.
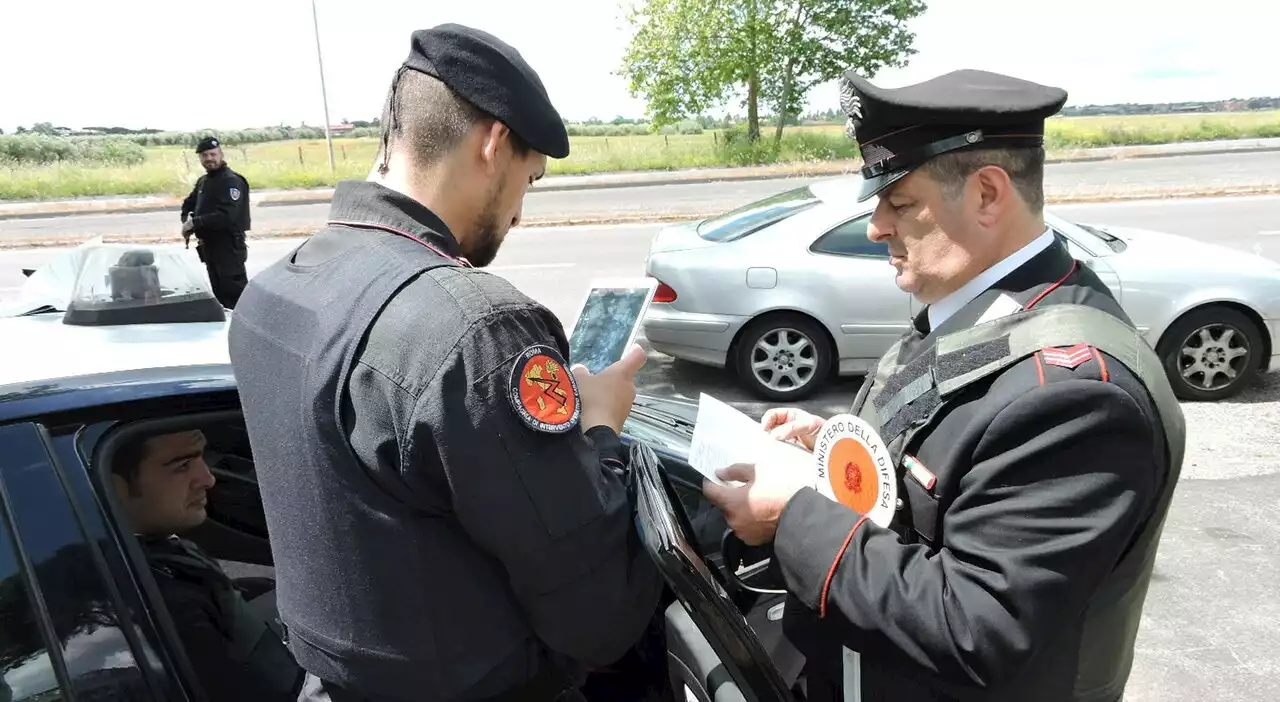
pixel 723 437
pixel 750 475
pixel 754 468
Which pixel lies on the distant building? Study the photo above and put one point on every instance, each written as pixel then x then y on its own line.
pixel 341 129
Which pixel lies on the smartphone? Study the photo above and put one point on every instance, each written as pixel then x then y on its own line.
pixel 609 321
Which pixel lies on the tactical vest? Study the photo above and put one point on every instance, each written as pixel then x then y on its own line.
pixel 904 400
pixel 297 334
pixel 254 640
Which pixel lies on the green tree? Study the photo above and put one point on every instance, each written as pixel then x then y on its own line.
pixel 688 56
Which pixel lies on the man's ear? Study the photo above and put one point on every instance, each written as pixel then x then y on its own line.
pixel 491 145
pixel 994 194
pixel 123 493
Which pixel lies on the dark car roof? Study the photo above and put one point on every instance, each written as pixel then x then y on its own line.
pixel 672 420
pixel 59 395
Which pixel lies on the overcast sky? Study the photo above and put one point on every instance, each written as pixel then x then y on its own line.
pixel 227 64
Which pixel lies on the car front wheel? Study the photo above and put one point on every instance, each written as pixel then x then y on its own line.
pixel 1211 354
pixel 783 357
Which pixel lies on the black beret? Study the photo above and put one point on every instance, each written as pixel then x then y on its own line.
pixel 208 143
pixel 491 75
pixel 900 129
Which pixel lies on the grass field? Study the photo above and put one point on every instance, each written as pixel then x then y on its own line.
pixel 304 164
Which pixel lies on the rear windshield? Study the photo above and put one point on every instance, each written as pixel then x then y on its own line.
pixel 752 218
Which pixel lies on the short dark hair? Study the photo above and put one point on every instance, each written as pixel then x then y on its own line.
pixel 1025 167
pixel 428 119
pixel 128 458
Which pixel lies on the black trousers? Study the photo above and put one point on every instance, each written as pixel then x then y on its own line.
pixel 224 258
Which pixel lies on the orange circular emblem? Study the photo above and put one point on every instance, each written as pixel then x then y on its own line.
pixel 543 392
pixel 853 476
pixel 856 469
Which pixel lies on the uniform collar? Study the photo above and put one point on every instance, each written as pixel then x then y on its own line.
pixel 362 203
pixel 943 309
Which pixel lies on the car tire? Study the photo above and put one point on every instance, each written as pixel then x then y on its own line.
pixel 1211 353
pixel 796 367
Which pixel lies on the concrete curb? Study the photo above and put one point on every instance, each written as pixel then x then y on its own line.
pixel 656 218
pixel 569 183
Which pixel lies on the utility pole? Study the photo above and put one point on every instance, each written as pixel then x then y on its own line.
pixel 323 95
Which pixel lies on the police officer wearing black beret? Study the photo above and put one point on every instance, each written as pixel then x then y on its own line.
pixel 448 503
pixel 217 213
pixel 1029 440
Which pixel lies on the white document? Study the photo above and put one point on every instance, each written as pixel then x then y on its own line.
pixel 723 436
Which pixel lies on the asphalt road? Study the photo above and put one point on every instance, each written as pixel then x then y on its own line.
pixel 1111 177
pixel 1209 626
pixel 553 264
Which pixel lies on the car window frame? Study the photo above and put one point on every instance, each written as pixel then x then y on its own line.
pixel 145 644
pixel 813 245
pixel 101 439
pixel 35 594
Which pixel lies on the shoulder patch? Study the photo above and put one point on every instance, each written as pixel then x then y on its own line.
pixel 1067 357
pixel 543 392
pixel 235 193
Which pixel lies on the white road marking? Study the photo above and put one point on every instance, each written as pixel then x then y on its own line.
pixel 1271 232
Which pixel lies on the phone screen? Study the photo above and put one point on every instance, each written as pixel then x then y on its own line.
pixel 607 325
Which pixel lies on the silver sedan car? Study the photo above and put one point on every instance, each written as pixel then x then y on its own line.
pixel 789 290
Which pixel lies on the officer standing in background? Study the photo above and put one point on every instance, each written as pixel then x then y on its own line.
pixel 1029 433
pixel 448 503
pixel 218 209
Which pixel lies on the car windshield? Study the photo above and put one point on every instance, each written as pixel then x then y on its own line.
pixel 751 218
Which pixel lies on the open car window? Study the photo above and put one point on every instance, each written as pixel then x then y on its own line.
pixel 235 531
pixel 232 534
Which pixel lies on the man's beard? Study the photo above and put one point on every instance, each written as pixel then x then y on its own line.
pixel 487 232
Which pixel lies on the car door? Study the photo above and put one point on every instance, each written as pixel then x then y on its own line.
pixel 872 312
pixel 72 625
pixel 748 576
pixel 715 652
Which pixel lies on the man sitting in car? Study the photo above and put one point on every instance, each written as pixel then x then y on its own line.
pixel 162 481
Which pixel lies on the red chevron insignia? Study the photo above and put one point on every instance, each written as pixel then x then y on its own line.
pixel 1069 357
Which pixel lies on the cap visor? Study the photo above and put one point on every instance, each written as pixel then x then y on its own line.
pixel 873 186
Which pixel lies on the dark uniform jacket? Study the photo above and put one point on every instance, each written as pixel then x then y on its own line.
pixel 428 540
pixel 220 204
pixel 1045 474
pixel 211 617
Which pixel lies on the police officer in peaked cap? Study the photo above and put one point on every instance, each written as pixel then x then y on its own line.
pixel 985 520
pixel 217 213
pixel 448 501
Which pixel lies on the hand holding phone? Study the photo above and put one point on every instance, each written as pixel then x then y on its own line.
pixel 609 321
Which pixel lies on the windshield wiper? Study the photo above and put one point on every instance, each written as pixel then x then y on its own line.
pixel 1105 236
pixel 661 415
